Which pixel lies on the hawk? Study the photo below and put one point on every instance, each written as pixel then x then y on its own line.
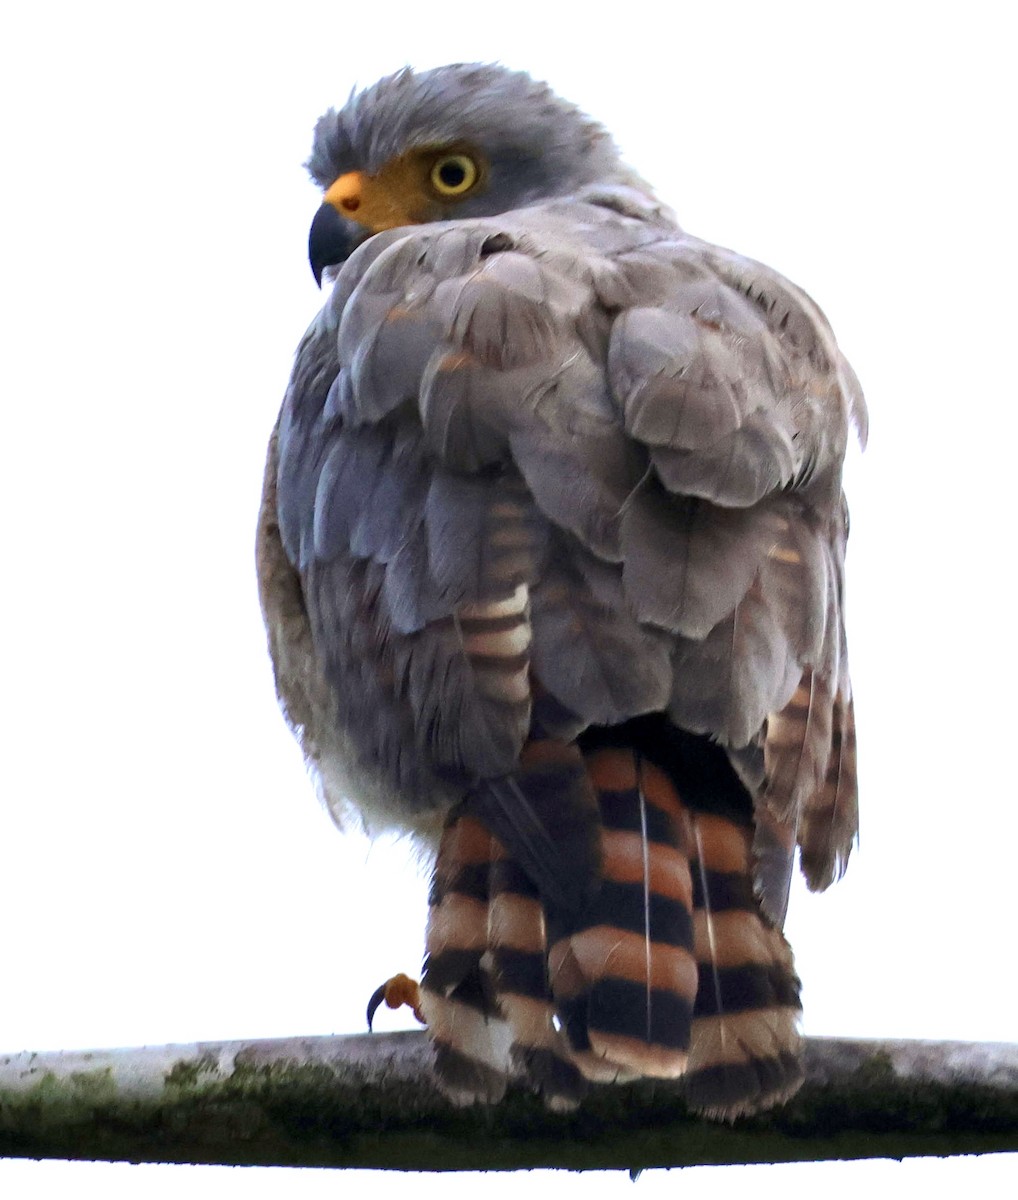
pixel 551 556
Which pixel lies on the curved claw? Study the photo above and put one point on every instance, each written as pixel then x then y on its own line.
pixel 397 991
pixel 377 996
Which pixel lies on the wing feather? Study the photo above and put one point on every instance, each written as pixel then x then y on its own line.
pixel 645 432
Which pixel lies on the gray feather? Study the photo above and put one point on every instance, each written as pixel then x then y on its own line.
pixel 410 598
pixel 483 539
pixel 554 386
pixel 345 478
pixel 687 563
pixel 465 424
pixel 727 683
pixel 581 486
pixel 457 726
pixel 598 662
pixel 673 393
pixel 740 469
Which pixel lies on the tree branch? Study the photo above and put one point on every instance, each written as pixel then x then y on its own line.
pixel 371 1101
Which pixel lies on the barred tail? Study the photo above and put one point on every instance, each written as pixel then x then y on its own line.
pixel 459 999
pixel 485 992
pixel 662 965
pixel 746 1047
pixel 624 978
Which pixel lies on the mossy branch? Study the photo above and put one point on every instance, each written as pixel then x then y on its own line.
pixel 371 1101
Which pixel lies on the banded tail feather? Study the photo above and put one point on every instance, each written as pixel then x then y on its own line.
pixel 654 960
pixel 830 819
pixel 458 996
pixel 811 783
pixel 624 977
pixel 746 1049
pixel 485 992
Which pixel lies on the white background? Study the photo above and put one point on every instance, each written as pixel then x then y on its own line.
pixel 166 873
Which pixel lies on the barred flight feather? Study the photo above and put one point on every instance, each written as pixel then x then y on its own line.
pixel 667 967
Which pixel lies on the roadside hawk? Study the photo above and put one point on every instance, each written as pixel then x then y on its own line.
pixel 551 557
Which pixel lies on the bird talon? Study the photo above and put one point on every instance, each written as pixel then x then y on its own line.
pixel 396 992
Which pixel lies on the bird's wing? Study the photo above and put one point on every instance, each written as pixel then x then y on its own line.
pixel 543 474
pixel 636 435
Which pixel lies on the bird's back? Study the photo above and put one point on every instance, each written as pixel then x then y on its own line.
pixel 559 493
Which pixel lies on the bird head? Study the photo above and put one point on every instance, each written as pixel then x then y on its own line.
pixel 468 140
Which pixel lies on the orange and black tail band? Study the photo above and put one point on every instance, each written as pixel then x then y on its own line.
pixel 746 1046
pixel 641 921
pixel 485 991
pixel 587 924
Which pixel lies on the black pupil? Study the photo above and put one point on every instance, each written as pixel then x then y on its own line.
pixel 452 174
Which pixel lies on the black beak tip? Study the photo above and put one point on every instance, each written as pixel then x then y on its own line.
pixel 331 240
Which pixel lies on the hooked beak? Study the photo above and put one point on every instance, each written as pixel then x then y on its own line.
pixel 332 240
pixel 354 207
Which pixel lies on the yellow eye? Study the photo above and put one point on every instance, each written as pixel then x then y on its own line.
pixel 453 174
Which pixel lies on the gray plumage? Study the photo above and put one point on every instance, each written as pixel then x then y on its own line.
pixel 538 144
pixel 554 398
